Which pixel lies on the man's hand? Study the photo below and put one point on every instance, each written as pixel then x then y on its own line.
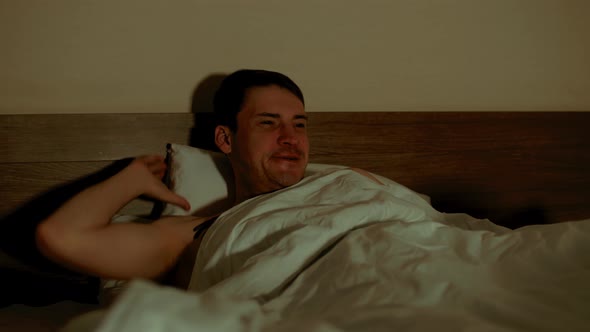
pixel 79 234
pixel 148 172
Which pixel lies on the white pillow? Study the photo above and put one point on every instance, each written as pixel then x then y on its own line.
pixel 205 179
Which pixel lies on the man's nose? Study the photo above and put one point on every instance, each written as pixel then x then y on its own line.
pixel 288 136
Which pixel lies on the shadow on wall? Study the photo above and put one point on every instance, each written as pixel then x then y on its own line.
pixel 202 132
pixel 38 281
pixel 201 135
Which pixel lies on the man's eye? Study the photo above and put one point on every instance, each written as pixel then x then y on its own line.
pixel 267 122
pixel 300 125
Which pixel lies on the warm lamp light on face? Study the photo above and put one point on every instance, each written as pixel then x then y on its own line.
pixel 270 148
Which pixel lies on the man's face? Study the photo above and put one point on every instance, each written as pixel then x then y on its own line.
pixel 270 149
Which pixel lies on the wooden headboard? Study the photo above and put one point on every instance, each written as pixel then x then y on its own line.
pixel 512 167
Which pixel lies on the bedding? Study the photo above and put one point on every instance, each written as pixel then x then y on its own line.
pixel 341 252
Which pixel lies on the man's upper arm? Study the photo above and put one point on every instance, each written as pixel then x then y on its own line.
pixel 121 250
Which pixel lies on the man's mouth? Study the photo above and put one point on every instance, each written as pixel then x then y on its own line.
pixel 291 158
pixel 287 156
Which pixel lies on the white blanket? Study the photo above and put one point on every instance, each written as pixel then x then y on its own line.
pixel 340 252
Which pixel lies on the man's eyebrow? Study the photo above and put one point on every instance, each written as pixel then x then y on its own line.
pixel 270 115
pixel 278 116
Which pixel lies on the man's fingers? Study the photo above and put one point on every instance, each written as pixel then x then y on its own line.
pixel 181 201
pixel 159 173
pixel 150 159
pixel 154 187
pixel 157 166
pixel 154 163
pixel 175 199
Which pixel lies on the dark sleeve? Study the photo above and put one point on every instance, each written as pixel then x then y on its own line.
pixel 202 228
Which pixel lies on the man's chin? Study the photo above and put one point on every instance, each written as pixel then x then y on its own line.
pixel 285 172
pixel 289 181
pixel 288 178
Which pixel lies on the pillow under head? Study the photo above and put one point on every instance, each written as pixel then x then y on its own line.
pixel 203 177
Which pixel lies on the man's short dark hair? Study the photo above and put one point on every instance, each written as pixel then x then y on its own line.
pixel 230 96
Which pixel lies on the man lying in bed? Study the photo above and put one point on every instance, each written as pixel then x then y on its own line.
pixel 262 130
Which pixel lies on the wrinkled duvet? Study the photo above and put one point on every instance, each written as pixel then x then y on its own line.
pixel 341 252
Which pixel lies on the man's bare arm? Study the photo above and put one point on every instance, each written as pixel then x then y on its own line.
pixel 79 234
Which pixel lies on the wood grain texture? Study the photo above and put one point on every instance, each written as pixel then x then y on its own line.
pixel 89 137
pixel 511 167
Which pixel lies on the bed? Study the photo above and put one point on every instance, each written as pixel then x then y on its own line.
pixel 513 168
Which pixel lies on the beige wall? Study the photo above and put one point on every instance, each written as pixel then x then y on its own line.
pixel 72 56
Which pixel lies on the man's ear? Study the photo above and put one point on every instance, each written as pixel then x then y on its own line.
pixel 223 139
